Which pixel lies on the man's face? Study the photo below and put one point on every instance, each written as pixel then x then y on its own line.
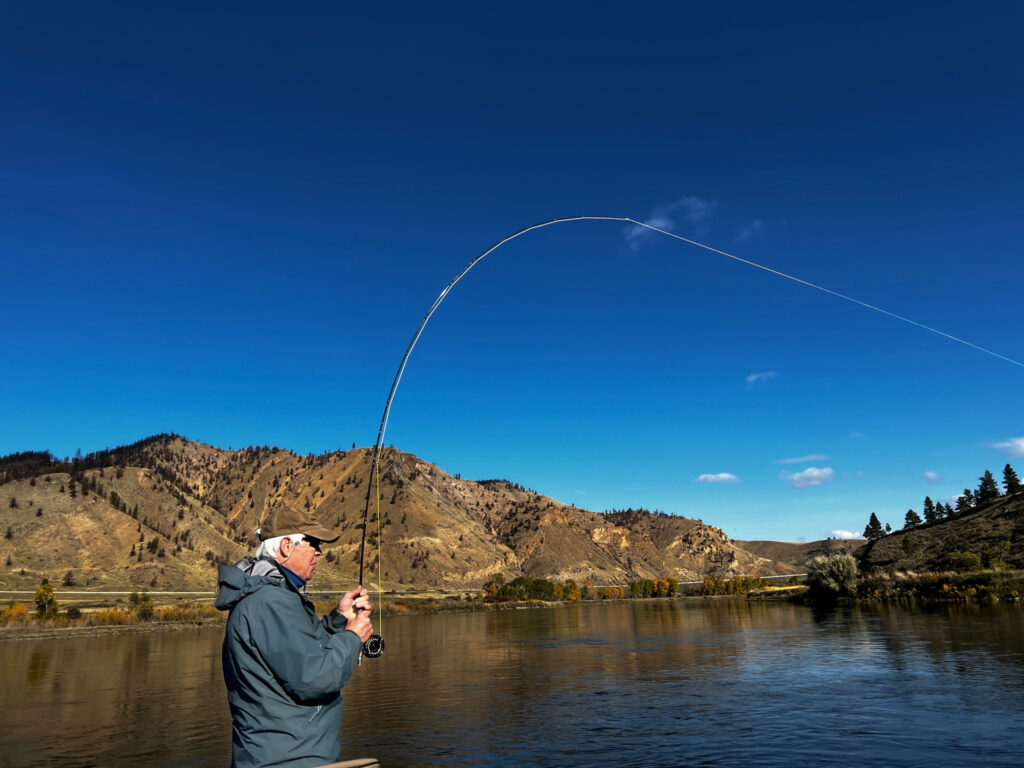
pixel 303 557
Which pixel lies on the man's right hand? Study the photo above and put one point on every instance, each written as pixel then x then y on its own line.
pixel 361 625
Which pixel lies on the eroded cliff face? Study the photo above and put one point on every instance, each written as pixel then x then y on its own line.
pixel 177 508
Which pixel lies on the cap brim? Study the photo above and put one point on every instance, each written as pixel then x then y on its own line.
pixel 319 532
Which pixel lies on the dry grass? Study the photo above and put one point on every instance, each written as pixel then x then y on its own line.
pixel 188 613
pixel 18 615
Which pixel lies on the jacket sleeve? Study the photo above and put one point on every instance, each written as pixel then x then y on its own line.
pixel 334 622
pixel 309 662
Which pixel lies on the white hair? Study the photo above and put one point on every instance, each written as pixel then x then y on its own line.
pixel 272 547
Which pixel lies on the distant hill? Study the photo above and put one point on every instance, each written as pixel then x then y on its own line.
pixel 163 512
pixel 792 557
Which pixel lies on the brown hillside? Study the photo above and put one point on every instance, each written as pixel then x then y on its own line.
pixel 995 531
pixel 794 557
pixel 162 513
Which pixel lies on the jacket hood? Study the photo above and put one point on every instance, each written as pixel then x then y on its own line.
pixel 238 581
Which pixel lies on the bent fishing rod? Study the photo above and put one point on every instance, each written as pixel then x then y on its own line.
pixel 374 647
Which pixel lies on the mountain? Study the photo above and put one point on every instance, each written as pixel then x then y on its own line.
pixel 163 512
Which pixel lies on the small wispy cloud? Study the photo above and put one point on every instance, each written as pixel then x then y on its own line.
pixel 932 477
pixel 579 492
pixel 692 212
pixel 857 435
pixel 721 477
pixel 803 459
pixel 760 378
pixel 1011 446
pixel 810 477
pixel 749 231
pixel 845 535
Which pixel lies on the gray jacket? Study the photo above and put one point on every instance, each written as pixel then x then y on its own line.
pixel 283 668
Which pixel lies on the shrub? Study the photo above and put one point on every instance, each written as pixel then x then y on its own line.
pixel 832 576
pixel 965 561
pixel 106 616
pixel 15 613
pixel 142 604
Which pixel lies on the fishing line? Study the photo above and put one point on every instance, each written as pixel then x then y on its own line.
pixel 829 291
pixel 375 467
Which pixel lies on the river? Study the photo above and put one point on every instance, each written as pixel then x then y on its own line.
pixel 644 683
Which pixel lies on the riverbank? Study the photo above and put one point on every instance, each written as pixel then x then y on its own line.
pixel 141 612
pixel 19 624
pixel 99 614
pixel 976 586
pixel 918 588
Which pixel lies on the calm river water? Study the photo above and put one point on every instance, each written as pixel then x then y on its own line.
pixel 651 683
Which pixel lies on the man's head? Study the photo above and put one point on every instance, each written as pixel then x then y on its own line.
pixel 293 538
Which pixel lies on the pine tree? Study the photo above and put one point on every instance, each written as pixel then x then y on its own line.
pixel 873 530
pixel 987 491
pixel 929 510
pixel 1010 480
pixel 964 502
pixel 912 521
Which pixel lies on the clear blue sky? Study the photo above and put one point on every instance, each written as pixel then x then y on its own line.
pixel 228 222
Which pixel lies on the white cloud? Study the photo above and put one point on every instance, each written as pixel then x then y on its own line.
pixel 932 477
pixel 762 377
pixel 691 211
pixel 1011 446
pixel 845 535
pixel 803 459
pixel 721 477
pixel 749 231
pixel 857 435
pixel 810 477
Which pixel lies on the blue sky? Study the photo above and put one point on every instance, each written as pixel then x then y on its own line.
pixel 227 223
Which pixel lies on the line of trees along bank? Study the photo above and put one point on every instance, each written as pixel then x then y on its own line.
pixel 522 588
pixel 497 590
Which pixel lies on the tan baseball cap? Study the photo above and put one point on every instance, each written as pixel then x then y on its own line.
pixel 288 520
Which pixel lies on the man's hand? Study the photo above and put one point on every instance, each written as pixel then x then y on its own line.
pixel 355 606
pixel 354 602
pixel 361 625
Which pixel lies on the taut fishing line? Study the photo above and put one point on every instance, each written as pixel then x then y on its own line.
pixel 375 645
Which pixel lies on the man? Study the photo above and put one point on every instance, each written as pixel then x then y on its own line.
pixel 283 666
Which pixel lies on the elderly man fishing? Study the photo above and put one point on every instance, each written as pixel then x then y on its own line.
pixel 283 666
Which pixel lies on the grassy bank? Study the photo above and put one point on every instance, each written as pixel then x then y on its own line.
pixel 980 586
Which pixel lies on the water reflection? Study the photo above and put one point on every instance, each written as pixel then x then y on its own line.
pixel 152 698
pixel 652 683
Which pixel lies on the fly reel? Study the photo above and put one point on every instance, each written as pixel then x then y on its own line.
pixel 373 647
